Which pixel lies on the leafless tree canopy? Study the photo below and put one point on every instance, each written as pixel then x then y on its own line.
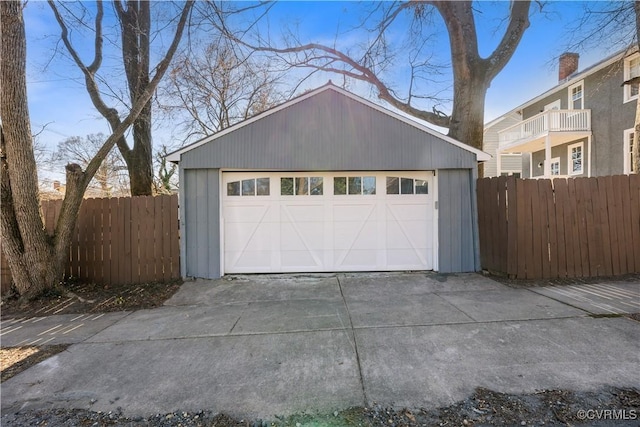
pixel 212 88
pixel 603 23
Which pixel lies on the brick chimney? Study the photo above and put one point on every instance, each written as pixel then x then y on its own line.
pixel 568 65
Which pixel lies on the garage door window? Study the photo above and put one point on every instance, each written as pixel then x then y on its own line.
pixel 301 186
pixel 354 185
pixel 249 187
pixel 398 185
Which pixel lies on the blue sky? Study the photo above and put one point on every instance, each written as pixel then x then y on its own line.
pixel 57 96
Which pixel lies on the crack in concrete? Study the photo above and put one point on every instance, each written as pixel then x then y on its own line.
pixel 355 343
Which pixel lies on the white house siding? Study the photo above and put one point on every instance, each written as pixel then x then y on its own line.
pixel 511 163
pixel 490 145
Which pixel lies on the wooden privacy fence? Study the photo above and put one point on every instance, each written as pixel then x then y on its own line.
pixel 119 241
pixel 532 229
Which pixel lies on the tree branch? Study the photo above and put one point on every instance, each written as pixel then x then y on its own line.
pixel 111 114
pixel 365 74
pixel 518 23
pixel 97 59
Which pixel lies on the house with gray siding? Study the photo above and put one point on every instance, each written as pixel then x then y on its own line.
pixel 583 126
pixel 327 181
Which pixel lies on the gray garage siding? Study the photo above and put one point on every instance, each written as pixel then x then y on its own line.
pixel 327 132
pixel 200 213
pixel 457 223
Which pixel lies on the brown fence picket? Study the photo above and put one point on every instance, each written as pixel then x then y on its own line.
pixel 612 213
pixel 533 262
pixel 576 224
pixel 137 229
pixel 591 225
pixel 543 230
pixel 175 239
pixel 626 215
pixel 117 239
pixel 521 226
pixel 127 256
pixel 565 259
pixel 602 217
pixel 552 234
pixel 483 217
pixel 501 231
pixel 149 240
pixel 107 241
pixel 512 217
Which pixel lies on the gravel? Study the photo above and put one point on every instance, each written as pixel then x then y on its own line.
pixel 483 408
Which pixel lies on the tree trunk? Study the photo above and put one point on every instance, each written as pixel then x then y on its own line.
pixel 467 116
pixel 26 245
pixel 136 27
pixel 140 159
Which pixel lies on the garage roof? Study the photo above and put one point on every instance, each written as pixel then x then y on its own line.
pixel 328 119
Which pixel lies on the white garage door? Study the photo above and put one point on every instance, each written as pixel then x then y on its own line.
pixel 336 221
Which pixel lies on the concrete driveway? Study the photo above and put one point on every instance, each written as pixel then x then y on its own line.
pixel 259 346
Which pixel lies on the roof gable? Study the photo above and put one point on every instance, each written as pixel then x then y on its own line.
pixel 321 96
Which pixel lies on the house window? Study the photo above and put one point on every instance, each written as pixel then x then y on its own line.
pixel 629 164
pixel 576 96
pixel 555 105
pixel 397 185
pixel 631 70
pixel 554 166
pixel 249 187
pixel 301 186
pixel 576 157
pixel 354 185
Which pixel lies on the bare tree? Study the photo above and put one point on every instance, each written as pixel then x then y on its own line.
pixel 109 179
pixel 36 259
pixel 135 35
pixel 472 73
pixel 218 87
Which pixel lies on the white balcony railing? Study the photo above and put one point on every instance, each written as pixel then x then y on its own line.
pixel 547 121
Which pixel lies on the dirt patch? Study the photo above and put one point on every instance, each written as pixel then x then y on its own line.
pixel 14 360
pixel 76 298
pixel 607 407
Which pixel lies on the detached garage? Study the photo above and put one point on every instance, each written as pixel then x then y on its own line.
pixel 327 182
